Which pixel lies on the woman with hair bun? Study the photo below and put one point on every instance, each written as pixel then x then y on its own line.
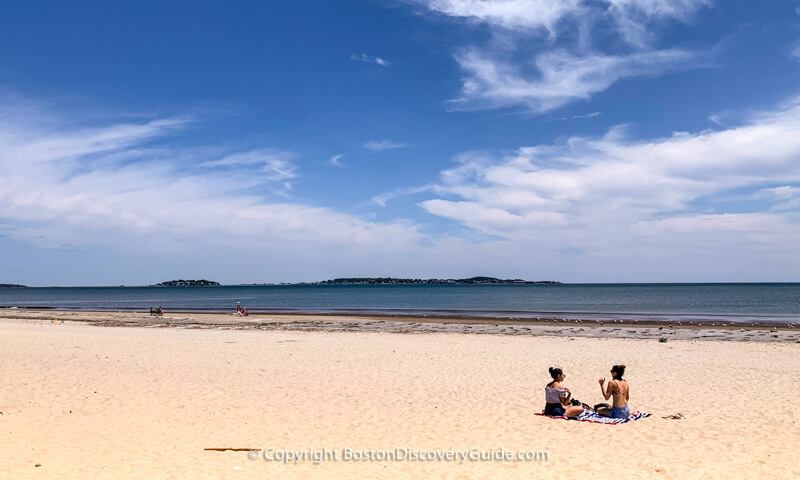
pixel 619 389
pixel 558 397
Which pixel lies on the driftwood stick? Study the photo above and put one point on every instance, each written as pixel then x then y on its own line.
pixel 231 449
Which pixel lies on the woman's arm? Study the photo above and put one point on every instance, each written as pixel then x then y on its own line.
pixel 565 399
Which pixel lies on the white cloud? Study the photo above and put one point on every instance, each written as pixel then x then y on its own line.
pixel 384 198
pixel 739 223
pixel 680 9
pixel 526 15
pixel 604 193
pixel 512 70
pixel 730 231
pixel 370 59
pixel 562 77
pixel 380 145
pixel 633 16
pixel 786 197
pixel 510 14
pixel 586 115
pixel 109 185
pixel 796 52
pixel 277 165
pixel 782 193
pixel 335 160
pixel 716 118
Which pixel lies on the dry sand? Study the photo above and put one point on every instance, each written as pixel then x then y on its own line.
pixel 87 401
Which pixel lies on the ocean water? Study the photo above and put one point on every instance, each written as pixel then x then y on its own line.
pixel 735 302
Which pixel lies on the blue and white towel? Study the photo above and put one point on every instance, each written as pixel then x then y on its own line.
pixel 590 415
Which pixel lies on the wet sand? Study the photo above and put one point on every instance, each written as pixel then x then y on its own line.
pixel 722 330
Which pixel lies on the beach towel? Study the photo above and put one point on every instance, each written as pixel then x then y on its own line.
pixel 590 415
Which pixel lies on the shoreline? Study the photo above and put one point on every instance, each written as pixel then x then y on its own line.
pixel 720 330
pixel 509 317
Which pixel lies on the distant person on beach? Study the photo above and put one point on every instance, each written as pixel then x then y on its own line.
pixel 238 307
pixel 558 396
pixel 619 389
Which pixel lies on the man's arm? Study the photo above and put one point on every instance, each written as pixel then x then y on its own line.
pixel 606 392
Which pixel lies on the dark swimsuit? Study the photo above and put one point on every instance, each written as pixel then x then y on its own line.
pixel 554 409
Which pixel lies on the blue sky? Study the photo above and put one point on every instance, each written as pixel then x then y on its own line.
pixel 574 140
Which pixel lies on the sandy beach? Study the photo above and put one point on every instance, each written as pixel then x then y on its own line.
pixel 83 398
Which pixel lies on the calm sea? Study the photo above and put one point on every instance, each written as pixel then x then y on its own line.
pixel 752 302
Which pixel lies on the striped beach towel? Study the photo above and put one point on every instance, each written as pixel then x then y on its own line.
pixel 590 415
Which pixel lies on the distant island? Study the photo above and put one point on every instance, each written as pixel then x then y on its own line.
pixel 429 281
pixel 11 285
pixel 368 281
pixel 187 283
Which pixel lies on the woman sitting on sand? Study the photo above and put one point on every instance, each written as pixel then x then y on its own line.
pixel 558 397
pixel 619 389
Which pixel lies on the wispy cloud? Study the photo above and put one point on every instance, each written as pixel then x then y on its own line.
pixel 784 198
pixel 370 59
pixel 629 16
pixel 781 193
pixel 106 184
pixel 335 160
pixel 510 14
pixel 716 118
pixel 384 198
pixel 507 71
pixel 578 117
pixel 633 17
pixel 555 193
pixel 562 77
pixel 380 145
pixel 276 165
